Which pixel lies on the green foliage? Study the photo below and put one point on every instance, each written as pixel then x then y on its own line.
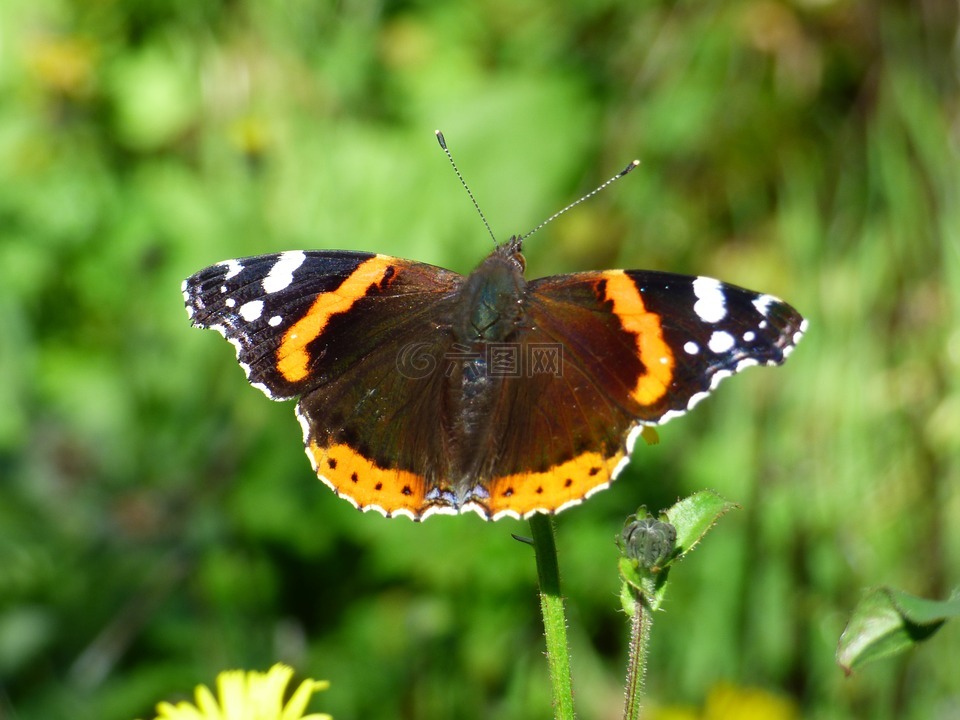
pixel 887 621
pixel 158 520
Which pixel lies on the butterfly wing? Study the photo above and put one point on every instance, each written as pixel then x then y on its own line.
pixel 336 329
pixel 635 348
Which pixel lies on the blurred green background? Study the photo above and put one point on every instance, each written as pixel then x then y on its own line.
pixel 158 519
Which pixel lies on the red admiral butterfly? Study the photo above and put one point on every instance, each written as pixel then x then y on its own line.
pixel 423 391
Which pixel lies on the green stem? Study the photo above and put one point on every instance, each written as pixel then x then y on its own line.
pixel 640 625
pixel 554 620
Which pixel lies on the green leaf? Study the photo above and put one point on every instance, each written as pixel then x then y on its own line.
pixel 888 621
pixel 695 515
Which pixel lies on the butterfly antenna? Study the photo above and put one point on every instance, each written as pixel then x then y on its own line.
pixel 443 144
pixel 589 195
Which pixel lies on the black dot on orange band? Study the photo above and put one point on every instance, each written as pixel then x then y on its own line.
pixel 353 476
pixel 508 492
pixel 378 486
pixel 593 471
pixel 406 490
pixel 331 463
pixel 540 490
pixel 568 482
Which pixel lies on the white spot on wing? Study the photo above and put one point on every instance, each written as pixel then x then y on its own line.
pixel 763 303
pixel 305 426
pixel 718 376
pixel 233 269
pixel 281 274
pixel 265 390
pixel 796 338
pixel 482 512
pixel 442 510
pixel 624 461
pixel 235 341
pixel 711 305
pixel 274 321
pixel 691 348
pixel 670 415
pixel 631 441
pixel 230 302
pixel 749 336
pixel 721 342
pixel 251 311
pixel 186 299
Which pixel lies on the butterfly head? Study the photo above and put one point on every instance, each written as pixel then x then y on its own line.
pixel 511 250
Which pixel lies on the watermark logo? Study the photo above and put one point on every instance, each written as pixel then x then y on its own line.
pixel 416 360
pixel 419 360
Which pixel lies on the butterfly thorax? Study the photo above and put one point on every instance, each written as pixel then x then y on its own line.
pixel 489 302
pixel 489 311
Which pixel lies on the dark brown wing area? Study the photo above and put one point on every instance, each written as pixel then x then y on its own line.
pixel 637 347
pixel 356 335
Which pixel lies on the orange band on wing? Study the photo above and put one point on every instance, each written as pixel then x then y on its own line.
pixel 654 353
pixel 293 360
pixel 361 481
pixel 553 489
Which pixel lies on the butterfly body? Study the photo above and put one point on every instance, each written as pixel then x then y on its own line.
pixel 422 391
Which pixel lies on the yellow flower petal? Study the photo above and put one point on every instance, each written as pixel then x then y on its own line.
pixel 248 696
pixel 266 691
pixel 300 698
pixel 207 704
pixel 232 691
pixel 180 711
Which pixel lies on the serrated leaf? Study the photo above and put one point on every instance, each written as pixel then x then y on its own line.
pixel 888 621
pixel 695 515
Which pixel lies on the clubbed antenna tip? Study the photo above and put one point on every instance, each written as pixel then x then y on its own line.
pixel 589 195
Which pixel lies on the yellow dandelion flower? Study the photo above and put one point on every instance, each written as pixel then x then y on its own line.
pixel 730 702
pixel 248 696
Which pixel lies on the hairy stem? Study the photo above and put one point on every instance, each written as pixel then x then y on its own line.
pixel 637 662
pixel 554 620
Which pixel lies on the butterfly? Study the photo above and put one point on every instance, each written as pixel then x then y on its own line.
pixel 424 391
